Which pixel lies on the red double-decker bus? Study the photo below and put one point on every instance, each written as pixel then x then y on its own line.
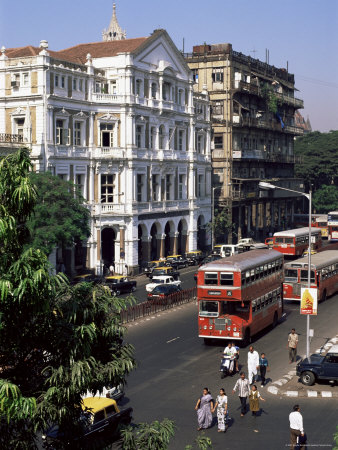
pixel 295 242
pixel 324 275
pixel 240 295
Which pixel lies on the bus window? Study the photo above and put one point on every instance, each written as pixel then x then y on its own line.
pixel 254 305
pixel 227 278
pixel 247 276
pixel 266 272
pixel 252 272
pixel 291 276
pixel 288 240
pixel 209 308
pixel 243 279
pixel 304 276
pixel 279 240
pixel 211 278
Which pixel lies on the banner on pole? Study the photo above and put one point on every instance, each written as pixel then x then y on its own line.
pixel 309 301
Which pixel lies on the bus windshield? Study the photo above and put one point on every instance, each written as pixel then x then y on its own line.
pixel 240 309
pixel 208 308
pixel 304 276
pixel 291 275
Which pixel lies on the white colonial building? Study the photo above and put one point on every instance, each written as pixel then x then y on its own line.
pixel 120 119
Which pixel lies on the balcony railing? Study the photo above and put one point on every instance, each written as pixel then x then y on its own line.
pixel 108 98
pixel 68 151
pixel 254 89
pixel 266 155
pixel 296 102
pixel 11 138
pixel 109 152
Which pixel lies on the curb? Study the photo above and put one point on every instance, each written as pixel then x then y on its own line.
pixel 276 385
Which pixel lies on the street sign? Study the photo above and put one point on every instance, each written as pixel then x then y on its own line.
pixel 309 301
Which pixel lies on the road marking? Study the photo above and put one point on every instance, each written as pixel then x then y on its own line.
pixel 172 340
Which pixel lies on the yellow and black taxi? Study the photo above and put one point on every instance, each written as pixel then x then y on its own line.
pixel 100 420
pixel 165 270
pixel 86 277
pixel 119 284
pixel 176 261
pixel 194 257
pixel 152 264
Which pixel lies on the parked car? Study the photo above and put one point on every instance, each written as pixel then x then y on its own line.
pixel 269 242
pixel 100 419
pixel 151 265
pixel 161 280
pixel 319 367
pixel 246 241
pixel 86 277
pixel 194 257
pixel 161 291
pixel 176 261
pixel 166 270
pixel 119 284
pixel 217 249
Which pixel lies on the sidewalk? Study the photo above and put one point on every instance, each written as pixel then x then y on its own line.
pixel 289 385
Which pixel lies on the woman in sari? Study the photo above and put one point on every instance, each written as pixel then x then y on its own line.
pixel 221 406
pixel 204 407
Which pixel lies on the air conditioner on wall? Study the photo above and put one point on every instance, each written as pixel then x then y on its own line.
pixel 15 83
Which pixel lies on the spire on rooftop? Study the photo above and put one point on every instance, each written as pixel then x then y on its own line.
pixel 114 32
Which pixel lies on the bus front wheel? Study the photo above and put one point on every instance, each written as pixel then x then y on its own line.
pixel 323 296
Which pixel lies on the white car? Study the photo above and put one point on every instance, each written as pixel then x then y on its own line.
pixel 116 393
pixel 161 280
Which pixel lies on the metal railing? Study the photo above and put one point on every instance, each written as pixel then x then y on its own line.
pixel 11 138
pixel 151 307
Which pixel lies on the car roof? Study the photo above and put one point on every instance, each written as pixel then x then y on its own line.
pixel 95 404
pixel 333 349
pixel 85 275
pixel 173 256
pixel 115 277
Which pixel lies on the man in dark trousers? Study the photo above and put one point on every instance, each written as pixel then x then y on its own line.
pixel 296 429
pixel 243 386
pixel 292 344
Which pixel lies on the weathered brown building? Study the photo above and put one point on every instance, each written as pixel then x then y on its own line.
pixel 253 119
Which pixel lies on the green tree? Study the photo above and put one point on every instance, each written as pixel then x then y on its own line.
pixel 222 224
pixel 59 218
pixel 56 341
pixel 325 199
pixel 319 164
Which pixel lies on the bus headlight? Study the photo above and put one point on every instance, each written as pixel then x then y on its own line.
pixel 210 328
pixel 205 327
pixel 235 329
pixel 229 328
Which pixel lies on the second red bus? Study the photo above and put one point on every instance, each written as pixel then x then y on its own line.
pixel 295 242
pixel 324 275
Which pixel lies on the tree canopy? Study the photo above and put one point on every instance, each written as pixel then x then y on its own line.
pixel 56 341
pixel 319 159
pixel 59 217
pixel 325 199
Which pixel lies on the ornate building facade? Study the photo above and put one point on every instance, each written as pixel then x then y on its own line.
pixel 120 119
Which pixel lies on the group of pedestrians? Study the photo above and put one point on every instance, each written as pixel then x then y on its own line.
pixel 247 389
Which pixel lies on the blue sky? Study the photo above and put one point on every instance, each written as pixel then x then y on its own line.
pixel 302 32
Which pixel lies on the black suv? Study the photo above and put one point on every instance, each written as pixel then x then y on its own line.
pixel 319 367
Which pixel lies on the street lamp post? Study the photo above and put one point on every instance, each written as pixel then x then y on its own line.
pixel 265 185
pixel 213 215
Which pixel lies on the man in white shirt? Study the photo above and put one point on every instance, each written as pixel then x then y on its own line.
pixel 296 427
pixel 253 364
